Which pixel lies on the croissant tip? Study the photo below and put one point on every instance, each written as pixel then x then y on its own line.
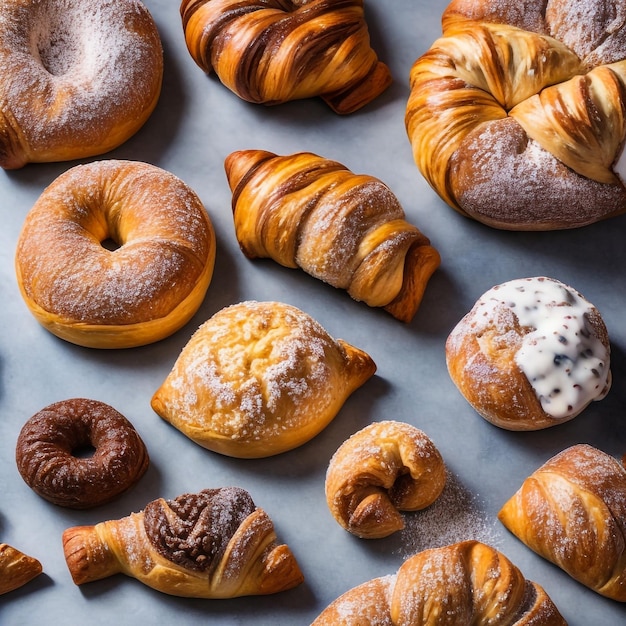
pixel 239 163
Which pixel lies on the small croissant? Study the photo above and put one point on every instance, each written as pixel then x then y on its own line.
pixel 572 512
pixel 273 51
pixel 346 229
pixel 213 544
pixel 385 468
pixel 16 568
pixel 463 583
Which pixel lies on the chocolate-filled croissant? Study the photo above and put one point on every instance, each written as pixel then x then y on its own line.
pixel 349 230
pixel 273 51
pixel 213 544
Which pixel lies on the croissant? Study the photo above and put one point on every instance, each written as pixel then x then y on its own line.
pixel 463 583
pixel 258 379
pixel 572 512
pixel 517 118
pixel 274 51
pixel 346 229
pixel 213 544
pixel 385 468
pixel 16 568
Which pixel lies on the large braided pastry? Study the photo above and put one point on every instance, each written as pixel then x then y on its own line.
pixel 463 583
pixel 517 113
pixel 273 51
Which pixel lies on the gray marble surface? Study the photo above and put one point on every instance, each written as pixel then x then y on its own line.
pixel 196 124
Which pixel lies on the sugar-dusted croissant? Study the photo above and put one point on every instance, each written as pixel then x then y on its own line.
pixel 346 229
pixel 572 511
pixel 517 117
pixel 16 568
pixel 213 544
pixel 273 51
pixel 463 583
pixel 385 468
pixel 258 379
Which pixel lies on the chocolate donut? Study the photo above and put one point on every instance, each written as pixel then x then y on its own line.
pixel 47 446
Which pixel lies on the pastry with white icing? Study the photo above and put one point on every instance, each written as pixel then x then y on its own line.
pixel 258 379
pixel 532 353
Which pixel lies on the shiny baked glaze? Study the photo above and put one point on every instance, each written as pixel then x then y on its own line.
pixel 347 229
pixel 516 117
pixel 273 51
pixel 46 453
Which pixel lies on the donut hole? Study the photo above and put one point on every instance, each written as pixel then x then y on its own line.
pixel 83 450
pixel 110 244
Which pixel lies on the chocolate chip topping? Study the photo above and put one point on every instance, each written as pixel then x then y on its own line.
pixel 194 530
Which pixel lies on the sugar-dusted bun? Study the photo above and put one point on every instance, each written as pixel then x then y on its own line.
pixel 516 114
pixel 79 77
pixel 532 353
pixel 145 288
pixel 258 379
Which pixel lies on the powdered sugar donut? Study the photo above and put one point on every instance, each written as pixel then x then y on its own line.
pixel 115 254
pixel 78 77
pixel 532 353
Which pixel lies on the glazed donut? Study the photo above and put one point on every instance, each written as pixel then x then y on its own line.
pixel 140 292
pixel 47 444
pixel 532 353
pixel 517 114
pixel 273 51
pixel 78 77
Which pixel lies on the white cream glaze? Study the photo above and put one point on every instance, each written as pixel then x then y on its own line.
pixel 564 361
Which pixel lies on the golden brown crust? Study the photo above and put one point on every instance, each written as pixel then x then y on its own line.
pixel 572 511
pixel 259 378
pixel 467 582
pixel 517 116
pixel 47 447
pixel 213 544
pixel 346 229
pixel 273 51
pixel 16 568
pixel 143 290
pixel 484 348
pixel 65 101
pixel 385 468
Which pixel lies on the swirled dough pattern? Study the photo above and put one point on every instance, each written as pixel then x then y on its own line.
pixel 517 113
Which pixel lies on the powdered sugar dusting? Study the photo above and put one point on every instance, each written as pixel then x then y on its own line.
pixel 73 69
pixel 457 515
pixel 253 372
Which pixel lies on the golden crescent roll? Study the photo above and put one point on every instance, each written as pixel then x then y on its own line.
pixel 213 544
pixel 346 229
pixel 273 51
pixel 16 568
pixel 531 353
pixel 572 512
pixel 259 378
pixel 463 583
pixel 517 116
pixel 384 468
